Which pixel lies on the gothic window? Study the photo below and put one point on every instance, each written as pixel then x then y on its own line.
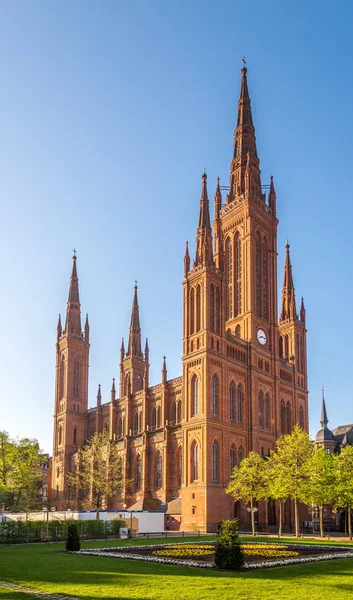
pixel 232 458
pixel 214 395
pixel 214 461
pixel 159 471
pixel 286 346
pixel 120 427
pixel 194 462
pixel 240 403
pixel 195 395
pixel 281 346
pixel 238 269
pixel 60 434
pixel 173 414
pixel 138 473
pixel 261 409
pixel 140 421
pixel 258 274
pixel 301 341
pixel 136 423
pixel 158 416
pixel 212 306
pixel 267 411
pixel 105 427
pixel 178 466
pixel 218 311
pixel 179 412
pixel 138 383
pixel 237 331
pixel 75 435
pixel 153 418
pixel 301 417
pixel 192 311
pixel 288 418
pixel 62 378
pixel 265 278
pixel 282 416
pixel 240 455
pixel 229 273
pixel 231 401
pixel 76 379
pixel 198 308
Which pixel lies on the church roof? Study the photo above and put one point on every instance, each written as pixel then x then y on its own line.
pixel 324 435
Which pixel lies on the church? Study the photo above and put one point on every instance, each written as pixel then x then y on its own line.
pixel 244 374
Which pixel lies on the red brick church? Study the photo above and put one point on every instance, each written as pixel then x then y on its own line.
pixel 244 379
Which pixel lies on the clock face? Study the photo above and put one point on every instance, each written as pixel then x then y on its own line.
pixel 261 337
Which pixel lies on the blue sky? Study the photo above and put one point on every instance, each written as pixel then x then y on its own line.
pixel 109 111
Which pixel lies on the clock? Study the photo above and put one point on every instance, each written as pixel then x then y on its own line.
pixel 261 337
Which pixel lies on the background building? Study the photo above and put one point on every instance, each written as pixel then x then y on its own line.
pixel 244 379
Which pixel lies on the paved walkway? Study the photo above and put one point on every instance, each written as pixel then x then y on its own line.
pixel 43 595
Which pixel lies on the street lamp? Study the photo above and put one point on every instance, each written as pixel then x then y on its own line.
pixel 45 510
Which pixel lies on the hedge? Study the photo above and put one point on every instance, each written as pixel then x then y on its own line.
pixel 12 532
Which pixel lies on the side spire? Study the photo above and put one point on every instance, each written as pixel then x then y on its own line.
pixel 164 370
pixel 302 312
pixel 134 347
pixel 186 260
pixel 73 310
pixel 324 419
pixel 245 159
pixel 289 311
pixel 59 328
pixel 217 200
pixel 99 396
pixel 204 253
pixel 272 200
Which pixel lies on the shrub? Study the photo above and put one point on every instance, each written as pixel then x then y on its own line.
pixel 228 554
pixel 73 540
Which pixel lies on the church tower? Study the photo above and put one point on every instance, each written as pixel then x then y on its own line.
pixel 71 390
pixel 241 389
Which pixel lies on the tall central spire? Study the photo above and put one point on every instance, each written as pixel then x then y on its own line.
pixel 73 310
pixel 289 310
pixel 204 253
pixel 324 419
pixel 134 347
pixel 244 168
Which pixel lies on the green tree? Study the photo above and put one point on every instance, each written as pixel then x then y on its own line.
pixel 228 552
pixel 291 453
pixel 98 473
pixel 248 482
pixel 276 483
pixel 20 473
pixel 344 477
pixel 319 485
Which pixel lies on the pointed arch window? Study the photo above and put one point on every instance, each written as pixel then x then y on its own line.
pixel 301 417
pixel 261 409
pixel 138 473
pixel 232 401
pixel 229 273
pixel 178 466
pixel 267 411
pixel 232 458
pixel 174 414
pixel 238 274
pixel 214 395
pixel 192 311
pixel 194 462
pixel 120 427
pixel 140 421
pixel 159 471
pixel 136 423
pixel 240 455
pixel 265 278
pixel 286 346
pixel 75 435
pixel 198 308
pixel 282 416
pixel 158 416
pixel 212 307
pixel 179 412
pixel 60 435
pixel 153 418
pixel 288 418
pixel 258 274
pixel 76 379
pixel 214 461
pixel 281 346
pixel 240 403
pixel 218 311
pixel 62 378
pixel 195 395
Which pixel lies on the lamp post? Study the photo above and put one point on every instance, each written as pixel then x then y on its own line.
pixel 45 510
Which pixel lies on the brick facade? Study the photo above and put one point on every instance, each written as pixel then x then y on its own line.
pixel 244 379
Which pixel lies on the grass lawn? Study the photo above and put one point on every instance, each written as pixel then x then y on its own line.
pixel 45 568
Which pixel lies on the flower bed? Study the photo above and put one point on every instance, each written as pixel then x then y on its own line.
pixel 258 555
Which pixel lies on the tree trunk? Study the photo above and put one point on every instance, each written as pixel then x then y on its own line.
pixel 296 517
pixel 280 518
pixel 349 523
pixel 321 511
pixel 252 517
